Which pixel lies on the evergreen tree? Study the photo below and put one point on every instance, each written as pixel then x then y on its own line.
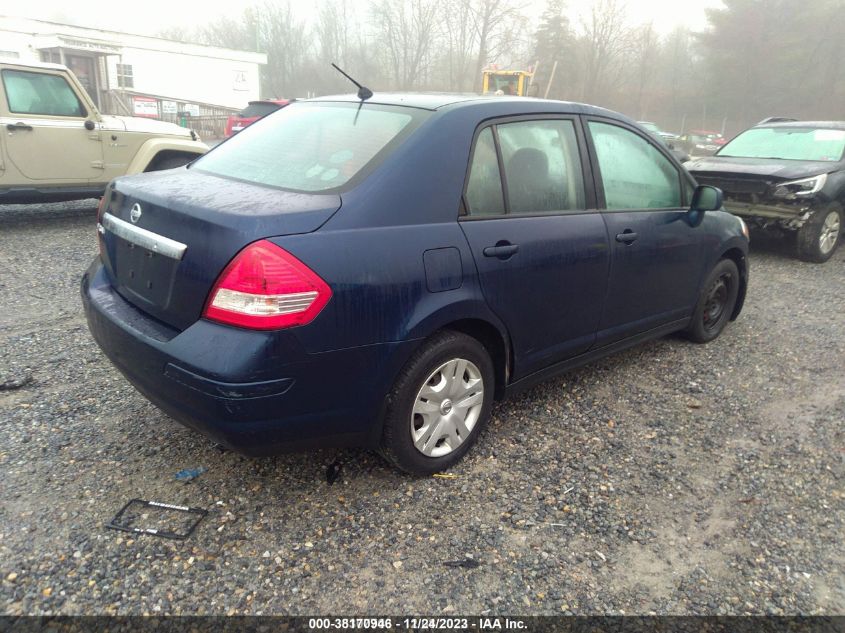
pixel 554 43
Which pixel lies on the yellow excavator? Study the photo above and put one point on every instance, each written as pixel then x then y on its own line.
pixel 508 82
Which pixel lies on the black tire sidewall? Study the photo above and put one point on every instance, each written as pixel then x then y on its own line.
pixel 696 330
pixel 169 162
pixel 809 248
pixel 397 444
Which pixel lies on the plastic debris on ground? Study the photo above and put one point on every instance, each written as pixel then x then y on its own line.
pixel 189 474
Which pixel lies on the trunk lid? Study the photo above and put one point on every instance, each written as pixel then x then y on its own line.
pixel 212 217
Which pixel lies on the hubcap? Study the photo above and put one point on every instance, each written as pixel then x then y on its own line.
pixel 447 408
pixel 829 233
pixel 717 297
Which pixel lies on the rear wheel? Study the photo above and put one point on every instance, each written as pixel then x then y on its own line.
pixel 715 304
pixel 439 404
pixel 820 235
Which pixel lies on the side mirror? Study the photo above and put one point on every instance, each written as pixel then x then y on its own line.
pixel 706 198
pixel 89 125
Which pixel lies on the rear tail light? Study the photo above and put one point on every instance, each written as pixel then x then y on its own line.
pixel 266 288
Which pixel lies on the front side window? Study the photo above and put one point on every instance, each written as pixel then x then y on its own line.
pixel 788 143
pixel 542 166
pixel 313 147
pixel 635 175
pixel 38 93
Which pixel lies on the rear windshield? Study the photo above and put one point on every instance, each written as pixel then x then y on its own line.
pixel 787 143
pixel 258 110
pixel 312 146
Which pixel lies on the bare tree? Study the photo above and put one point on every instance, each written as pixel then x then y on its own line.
pixel 459 27
pixel 605 39
pixel 498 25
pixel 287 43
pixel 332 31
pixel 645 50
pixel 407 29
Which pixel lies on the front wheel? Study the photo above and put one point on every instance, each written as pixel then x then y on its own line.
pixel 715 304
pixel 439 404
pixel 820 235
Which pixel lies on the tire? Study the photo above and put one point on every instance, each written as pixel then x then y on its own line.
pixel 716 303
pixel 442 428
pixel 820 236
pixel 170 162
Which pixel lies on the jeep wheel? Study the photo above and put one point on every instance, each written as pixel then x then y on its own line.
pixel 820 235
pixel 439 404
pixel 170 162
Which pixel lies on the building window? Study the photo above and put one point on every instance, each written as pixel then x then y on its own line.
pixel 124 76
pixel 51 57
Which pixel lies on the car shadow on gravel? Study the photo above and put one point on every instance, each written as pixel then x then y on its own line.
pixel 773 245
pixel 16 214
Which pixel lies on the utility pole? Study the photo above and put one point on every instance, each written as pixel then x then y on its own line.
pixel 551 79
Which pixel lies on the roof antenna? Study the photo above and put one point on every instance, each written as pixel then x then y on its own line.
pixel 364 93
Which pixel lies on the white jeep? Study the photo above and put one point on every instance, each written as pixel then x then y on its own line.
pixel 56 145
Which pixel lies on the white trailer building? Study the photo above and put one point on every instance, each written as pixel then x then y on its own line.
pixel 136 74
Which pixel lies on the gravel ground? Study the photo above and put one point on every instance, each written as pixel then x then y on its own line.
pixel 672 478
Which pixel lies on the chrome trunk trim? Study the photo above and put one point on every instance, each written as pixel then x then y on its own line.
pixel 142 237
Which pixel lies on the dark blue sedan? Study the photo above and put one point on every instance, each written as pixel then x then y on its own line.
pixel 377 272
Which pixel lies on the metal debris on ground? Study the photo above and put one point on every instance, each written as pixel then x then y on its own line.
pixel 445 475
pixel 189 474
pixel 159 519
pixel 333 472
pixel 467 563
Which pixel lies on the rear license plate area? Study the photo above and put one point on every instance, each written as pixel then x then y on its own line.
pixel 143 273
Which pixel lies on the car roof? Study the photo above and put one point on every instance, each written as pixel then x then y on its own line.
pixel 424 100
pixel 829 125
pixel 273 101
pixel 442 101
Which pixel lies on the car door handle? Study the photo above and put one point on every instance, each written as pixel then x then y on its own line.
pixel 501 250
pixel 627 237
pixel 18 126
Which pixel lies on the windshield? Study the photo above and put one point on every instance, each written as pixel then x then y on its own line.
pixel 508 84
pixel 787 143
pixel 312 146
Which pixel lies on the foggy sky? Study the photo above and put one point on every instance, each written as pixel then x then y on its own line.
pixel 148 17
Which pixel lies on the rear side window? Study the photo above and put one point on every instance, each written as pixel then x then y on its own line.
pixel 484 186
pixel 542 166
pixel 313 147
pixel 635 175
pixel 38 93
pixel 258 110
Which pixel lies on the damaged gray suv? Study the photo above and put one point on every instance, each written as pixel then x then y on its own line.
pixel 785 177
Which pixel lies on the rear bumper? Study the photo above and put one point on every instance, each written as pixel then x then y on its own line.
pixel 258 393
